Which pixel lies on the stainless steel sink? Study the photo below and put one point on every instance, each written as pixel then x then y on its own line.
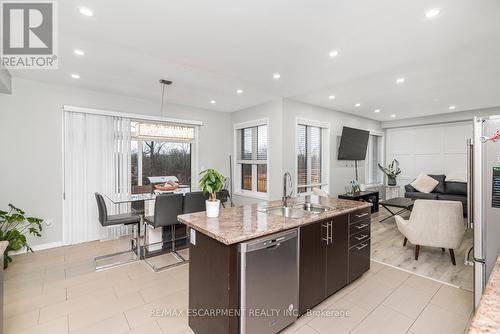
pixel 287 212
pixel 313 208
pixel 296 211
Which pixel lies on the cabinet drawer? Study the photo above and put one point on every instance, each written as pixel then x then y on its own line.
pixel 360 237
pixel 362 214
pixel 359 226
pixel 359 260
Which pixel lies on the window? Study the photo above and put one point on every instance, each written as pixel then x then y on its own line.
pixel 373 158
pixel 251 159
pixel 312 161
pixel 159 149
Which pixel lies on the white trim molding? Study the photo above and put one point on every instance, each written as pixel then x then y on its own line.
pixel 130 115
pixel 237 162
pixel 325 152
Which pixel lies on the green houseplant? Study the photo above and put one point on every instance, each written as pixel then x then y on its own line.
pixel 211 182
pixel 392 171
pixel 14 226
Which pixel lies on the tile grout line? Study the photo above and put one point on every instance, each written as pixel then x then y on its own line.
pixel 417 274
pixel 128 323
pixel 423 309
pixel 381 303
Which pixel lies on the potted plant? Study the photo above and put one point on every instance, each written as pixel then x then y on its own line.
pixel 212 182
pixel 392 171
pixel 13 228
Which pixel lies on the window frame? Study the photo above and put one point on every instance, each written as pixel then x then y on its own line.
pixel 325 155
pixel 194 153
pixel 381 159
pixel 237 164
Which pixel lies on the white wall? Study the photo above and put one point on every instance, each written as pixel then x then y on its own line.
pixel 31 141
pixel 431 149
pixel 341 172
pixel 273 111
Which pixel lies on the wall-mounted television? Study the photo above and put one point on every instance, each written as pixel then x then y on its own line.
pixel 353 144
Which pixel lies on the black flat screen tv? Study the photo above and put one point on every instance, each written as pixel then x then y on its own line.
pixel 353 144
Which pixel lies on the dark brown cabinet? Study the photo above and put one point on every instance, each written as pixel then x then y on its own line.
pixel 333 253
pixel 323 260
pixel 336 256
pixel 359 243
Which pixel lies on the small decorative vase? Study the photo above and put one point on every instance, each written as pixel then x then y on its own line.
pixel 213 208
pixel 391 181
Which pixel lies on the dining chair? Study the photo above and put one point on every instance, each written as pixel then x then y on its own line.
pixel 114 220
pixel 194 202
pixel 167 208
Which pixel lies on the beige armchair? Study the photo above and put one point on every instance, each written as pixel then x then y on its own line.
pixel 435 224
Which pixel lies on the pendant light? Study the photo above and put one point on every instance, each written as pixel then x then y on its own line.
pixel 163 83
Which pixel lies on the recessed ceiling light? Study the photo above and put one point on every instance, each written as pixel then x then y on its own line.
pixel 213 102
pixel 79 52
pixel 331 97
pixel 400 80
pixel 333 53
pixel 376 111
pixel 86 11
pixel 432 13
pixel 452 107
pixel 357 105
pixel 239 91
pixel 75 76
pixel 276 76
pixel 393 115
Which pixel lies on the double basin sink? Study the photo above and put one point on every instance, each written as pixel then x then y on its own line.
pixel 296 211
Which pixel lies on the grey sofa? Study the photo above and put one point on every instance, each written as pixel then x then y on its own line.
pixel 445 190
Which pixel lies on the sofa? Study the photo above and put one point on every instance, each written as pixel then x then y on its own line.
pixel 445 190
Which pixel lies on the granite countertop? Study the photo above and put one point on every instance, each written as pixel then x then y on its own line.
pixel 487 317
pixel 243 223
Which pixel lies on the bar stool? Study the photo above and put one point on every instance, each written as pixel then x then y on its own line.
pixel 194 202
pixel 113 220
pixel 167 208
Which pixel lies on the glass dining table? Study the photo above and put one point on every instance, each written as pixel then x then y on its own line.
pixel 146 197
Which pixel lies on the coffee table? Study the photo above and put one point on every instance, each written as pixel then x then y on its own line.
pixel 402 203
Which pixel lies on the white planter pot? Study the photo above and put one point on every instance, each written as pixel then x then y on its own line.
pixel 213 208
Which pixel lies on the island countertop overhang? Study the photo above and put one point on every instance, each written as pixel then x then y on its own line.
pixel 239 224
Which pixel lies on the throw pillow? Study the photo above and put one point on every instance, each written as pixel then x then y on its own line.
pixel 424 183
pixel 440 187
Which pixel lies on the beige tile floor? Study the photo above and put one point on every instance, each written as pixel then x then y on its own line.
pixel 58 291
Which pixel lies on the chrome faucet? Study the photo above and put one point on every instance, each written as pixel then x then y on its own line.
pixel 287 177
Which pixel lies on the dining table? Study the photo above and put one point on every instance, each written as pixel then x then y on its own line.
pixel 128 198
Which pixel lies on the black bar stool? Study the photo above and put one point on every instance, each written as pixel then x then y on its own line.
pixel 194 202
pixel 113 220
pixel 167 208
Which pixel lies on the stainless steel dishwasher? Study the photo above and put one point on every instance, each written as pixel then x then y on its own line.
pixel 269 283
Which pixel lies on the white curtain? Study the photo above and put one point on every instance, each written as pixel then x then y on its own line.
pixel 96 159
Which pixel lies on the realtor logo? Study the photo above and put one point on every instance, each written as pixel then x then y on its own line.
pixel 29 39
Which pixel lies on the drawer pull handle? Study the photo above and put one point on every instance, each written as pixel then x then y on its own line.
pixel 361 237
pixel 361 247
pixel 362 215
pixel 359 227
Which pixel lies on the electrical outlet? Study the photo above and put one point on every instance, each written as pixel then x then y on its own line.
pixel 48 223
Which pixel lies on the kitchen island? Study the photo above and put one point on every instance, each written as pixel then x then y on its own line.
pixel 333 249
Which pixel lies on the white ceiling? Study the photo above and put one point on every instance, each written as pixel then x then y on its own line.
pixel 211 48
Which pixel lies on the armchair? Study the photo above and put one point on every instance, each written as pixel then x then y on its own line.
pixel 434 223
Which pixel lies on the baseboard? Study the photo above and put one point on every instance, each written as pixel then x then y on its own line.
pixel 48 245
